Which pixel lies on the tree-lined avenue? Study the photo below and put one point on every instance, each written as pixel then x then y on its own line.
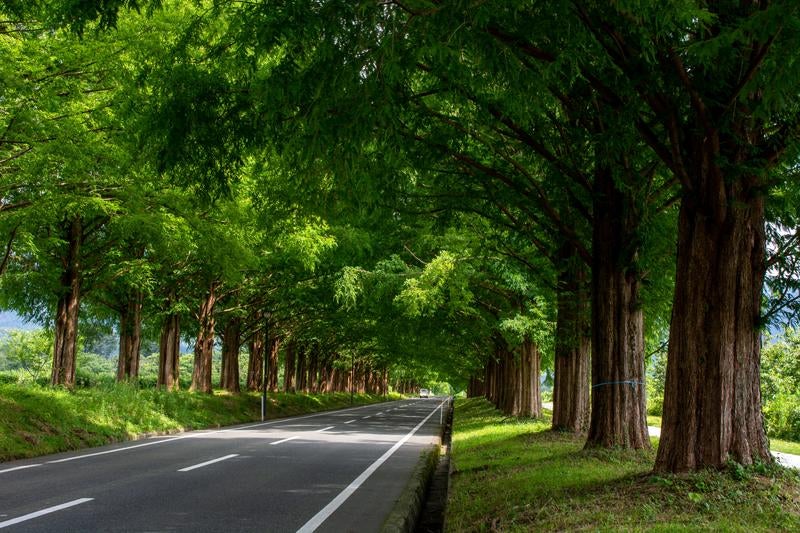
pixel 271 476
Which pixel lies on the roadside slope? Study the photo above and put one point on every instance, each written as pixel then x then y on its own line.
pixel 41 420
pixel 511 474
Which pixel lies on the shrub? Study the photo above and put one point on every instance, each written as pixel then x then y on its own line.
pixel 655 405
pixel 782 416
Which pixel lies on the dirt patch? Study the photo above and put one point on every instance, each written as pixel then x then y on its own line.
pixel 30 438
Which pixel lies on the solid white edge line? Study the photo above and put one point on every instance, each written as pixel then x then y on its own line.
pixel 115 450
pixel 18 468
pixel 211 462
pixel 282 441
pixel 329 509
pixel 324 429
pixel 49 510
pixel 193 434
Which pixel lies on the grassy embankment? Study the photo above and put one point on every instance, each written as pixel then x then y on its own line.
pixel 515 475
pixel 40 420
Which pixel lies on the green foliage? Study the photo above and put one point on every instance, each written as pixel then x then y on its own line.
pixel 782 416
pixel 27 351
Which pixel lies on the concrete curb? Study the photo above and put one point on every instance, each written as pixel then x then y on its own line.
pixel 404 516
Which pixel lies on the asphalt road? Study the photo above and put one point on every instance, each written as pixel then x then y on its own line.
pixel 334 471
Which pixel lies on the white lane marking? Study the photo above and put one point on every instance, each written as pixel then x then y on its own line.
pixel 43 512
pixel 211 462
pixel 324 429
pixel 115 450
pixel 365 417
pixel 350 421
pixel 379 414
pixel 322 413
pixel 18 468
pixel 203 433
pixel 329 509
pixel 282 441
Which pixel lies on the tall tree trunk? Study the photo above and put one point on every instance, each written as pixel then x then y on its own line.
pixel 272 363
pixel 302 368
pixel 255 365
pixel 572 345
pixel 231 342
pixel 130 337
pixel 289 367
pixel 618 417
pixel 712 398
pixel 204 346
pixel 530 402
pixel 66 324
pixel 313 368
pixel 169 352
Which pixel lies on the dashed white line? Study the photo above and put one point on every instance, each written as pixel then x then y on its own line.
pixel 365 417
pixel 282 441
pixel 324 429
pixel 211 462
pixel 18 468
pixel 350 421
pixel 329 509
pixel 43 512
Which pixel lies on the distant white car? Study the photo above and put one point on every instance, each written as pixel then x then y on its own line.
pixel 424 393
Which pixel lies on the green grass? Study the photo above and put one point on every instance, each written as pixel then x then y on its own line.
pixel 517 475
pixel 40 420
pixel 785 446
pixel 776 445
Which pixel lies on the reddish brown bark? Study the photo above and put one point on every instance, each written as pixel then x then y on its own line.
pixel 618 416
pixel 130 337
pixel 529 391
pixel 476 387
pixel 272 363
pixel 289 367
pixel 302 368
pixel 66 324
pixel 712 399
pixel 204 346
pixel 313 369
pixel 231 342
pixel 572 346
pixel 169 353
pixel 255 364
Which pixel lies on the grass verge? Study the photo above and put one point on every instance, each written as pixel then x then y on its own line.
pixel 517 475
pixel 775 445
pixel 40 420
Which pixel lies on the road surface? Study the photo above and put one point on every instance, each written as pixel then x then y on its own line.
pixel 334 471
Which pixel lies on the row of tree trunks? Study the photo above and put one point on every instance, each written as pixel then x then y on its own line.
pixel 475 387
pixel 511 380
pixel 406 386
pixel 204 346
pixel 130 337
